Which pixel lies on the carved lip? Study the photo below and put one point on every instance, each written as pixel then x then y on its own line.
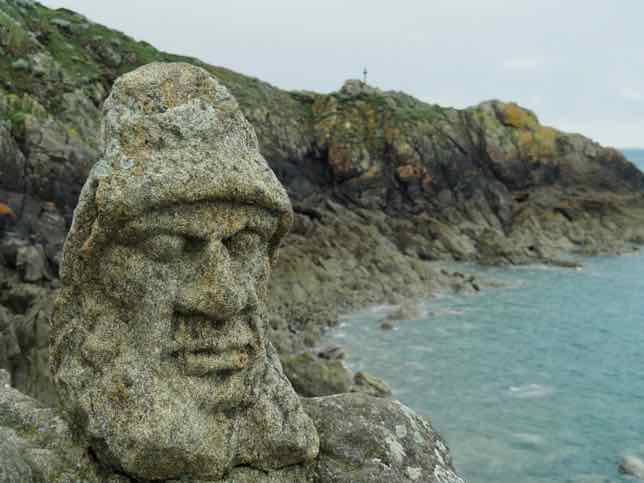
pixel 207 359
pixel 202 347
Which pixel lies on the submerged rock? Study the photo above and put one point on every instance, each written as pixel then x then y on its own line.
pixel 633 466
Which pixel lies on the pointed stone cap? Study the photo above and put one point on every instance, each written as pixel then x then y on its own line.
pixel 173 134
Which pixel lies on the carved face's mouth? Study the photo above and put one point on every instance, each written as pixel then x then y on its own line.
pixel 209 360
pixel 203 347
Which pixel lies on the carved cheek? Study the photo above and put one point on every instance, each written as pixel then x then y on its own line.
pixel 130 277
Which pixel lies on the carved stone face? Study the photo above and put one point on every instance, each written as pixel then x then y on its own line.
pixel 158 340
pixel 193 280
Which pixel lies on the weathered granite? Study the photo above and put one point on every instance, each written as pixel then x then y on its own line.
pixel 159 348
pixel 364 438
pixel 158 337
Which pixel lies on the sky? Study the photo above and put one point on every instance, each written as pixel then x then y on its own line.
pixel 579 64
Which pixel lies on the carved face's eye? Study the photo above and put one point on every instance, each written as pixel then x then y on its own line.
pixel 193 244
pixel 163 247
pixel 243 242
pixel 167 247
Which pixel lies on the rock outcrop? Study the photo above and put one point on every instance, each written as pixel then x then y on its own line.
pixel 158 343
pixel 159 348
pixel 632 466
pixel 374 440
pixel 382 184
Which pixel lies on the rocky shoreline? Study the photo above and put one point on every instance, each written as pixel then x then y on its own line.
pixel 382 186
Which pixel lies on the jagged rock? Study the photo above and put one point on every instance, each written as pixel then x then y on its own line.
pixel 370 385
pixel 312 376
pixel 408 310
pixel 50 229
pixel 62 24
pixel 13 467
pixel 331 353
pixel 12 161
pixel 20 297
pixel 24 339
pixel 355 87
pixel 5 378
pixel 175 232
pixel 362 439
pixel 37 445
pixel 31 263
pixel 9 346
pixel 21 64
pixel 9 246
pixel 30 368
pixel 377 440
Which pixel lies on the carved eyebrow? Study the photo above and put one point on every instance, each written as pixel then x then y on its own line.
pixel 173 222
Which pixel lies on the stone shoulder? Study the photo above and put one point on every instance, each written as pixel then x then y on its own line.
pixel 362 439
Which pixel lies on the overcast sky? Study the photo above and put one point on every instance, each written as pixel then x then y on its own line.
pixel 578 63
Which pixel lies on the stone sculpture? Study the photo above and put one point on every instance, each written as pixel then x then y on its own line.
pixel 158 338
pixel 159 348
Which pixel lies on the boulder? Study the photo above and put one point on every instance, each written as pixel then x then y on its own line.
pixel 362 439
pixel 366 439
pixel 31 262
pixel 370 385
pixel 633 466
pixel 5 378
pixel 313 376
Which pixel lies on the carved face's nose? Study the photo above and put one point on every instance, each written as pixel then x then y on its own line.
pixel 218 287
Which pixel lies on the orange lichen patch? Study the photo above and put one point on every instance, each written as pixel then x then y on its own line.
pixel 515 116
pixel 538 144
pixel 372 172
pixel 391 134
pixel 407 172
pixel 5 210
pixel 341 160
pixel 87 247
pixel 547 136
pixel 526 139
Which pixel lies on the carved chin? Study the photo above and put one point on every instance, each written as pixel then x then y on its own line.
pixel 151 410
pixel 217 383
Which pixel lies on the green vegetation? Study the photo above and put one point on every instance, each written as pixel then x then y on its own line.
pixel 52 56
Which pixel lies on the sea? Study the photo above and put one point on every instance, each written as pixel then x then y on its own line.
pixel 540 380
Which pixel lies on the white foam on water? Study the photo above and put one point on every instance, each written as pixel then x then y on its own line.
pixel 445 312
pixel 531 391
pixel 529 439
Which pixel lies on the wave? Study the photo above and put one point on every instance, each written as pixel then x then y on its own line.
pixel 531 391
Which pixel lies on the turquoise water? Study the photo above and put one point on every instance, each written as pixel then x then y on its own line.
pixel 541 381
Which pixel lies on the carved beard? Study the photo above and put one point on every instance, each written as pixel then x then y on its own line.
pixel 144 416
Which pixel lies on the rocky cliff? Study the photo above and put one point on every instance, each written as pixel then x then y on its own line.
pixel 382 184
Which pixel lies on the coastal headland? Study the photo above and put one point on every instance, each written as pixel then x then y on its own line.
pixel 382 185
